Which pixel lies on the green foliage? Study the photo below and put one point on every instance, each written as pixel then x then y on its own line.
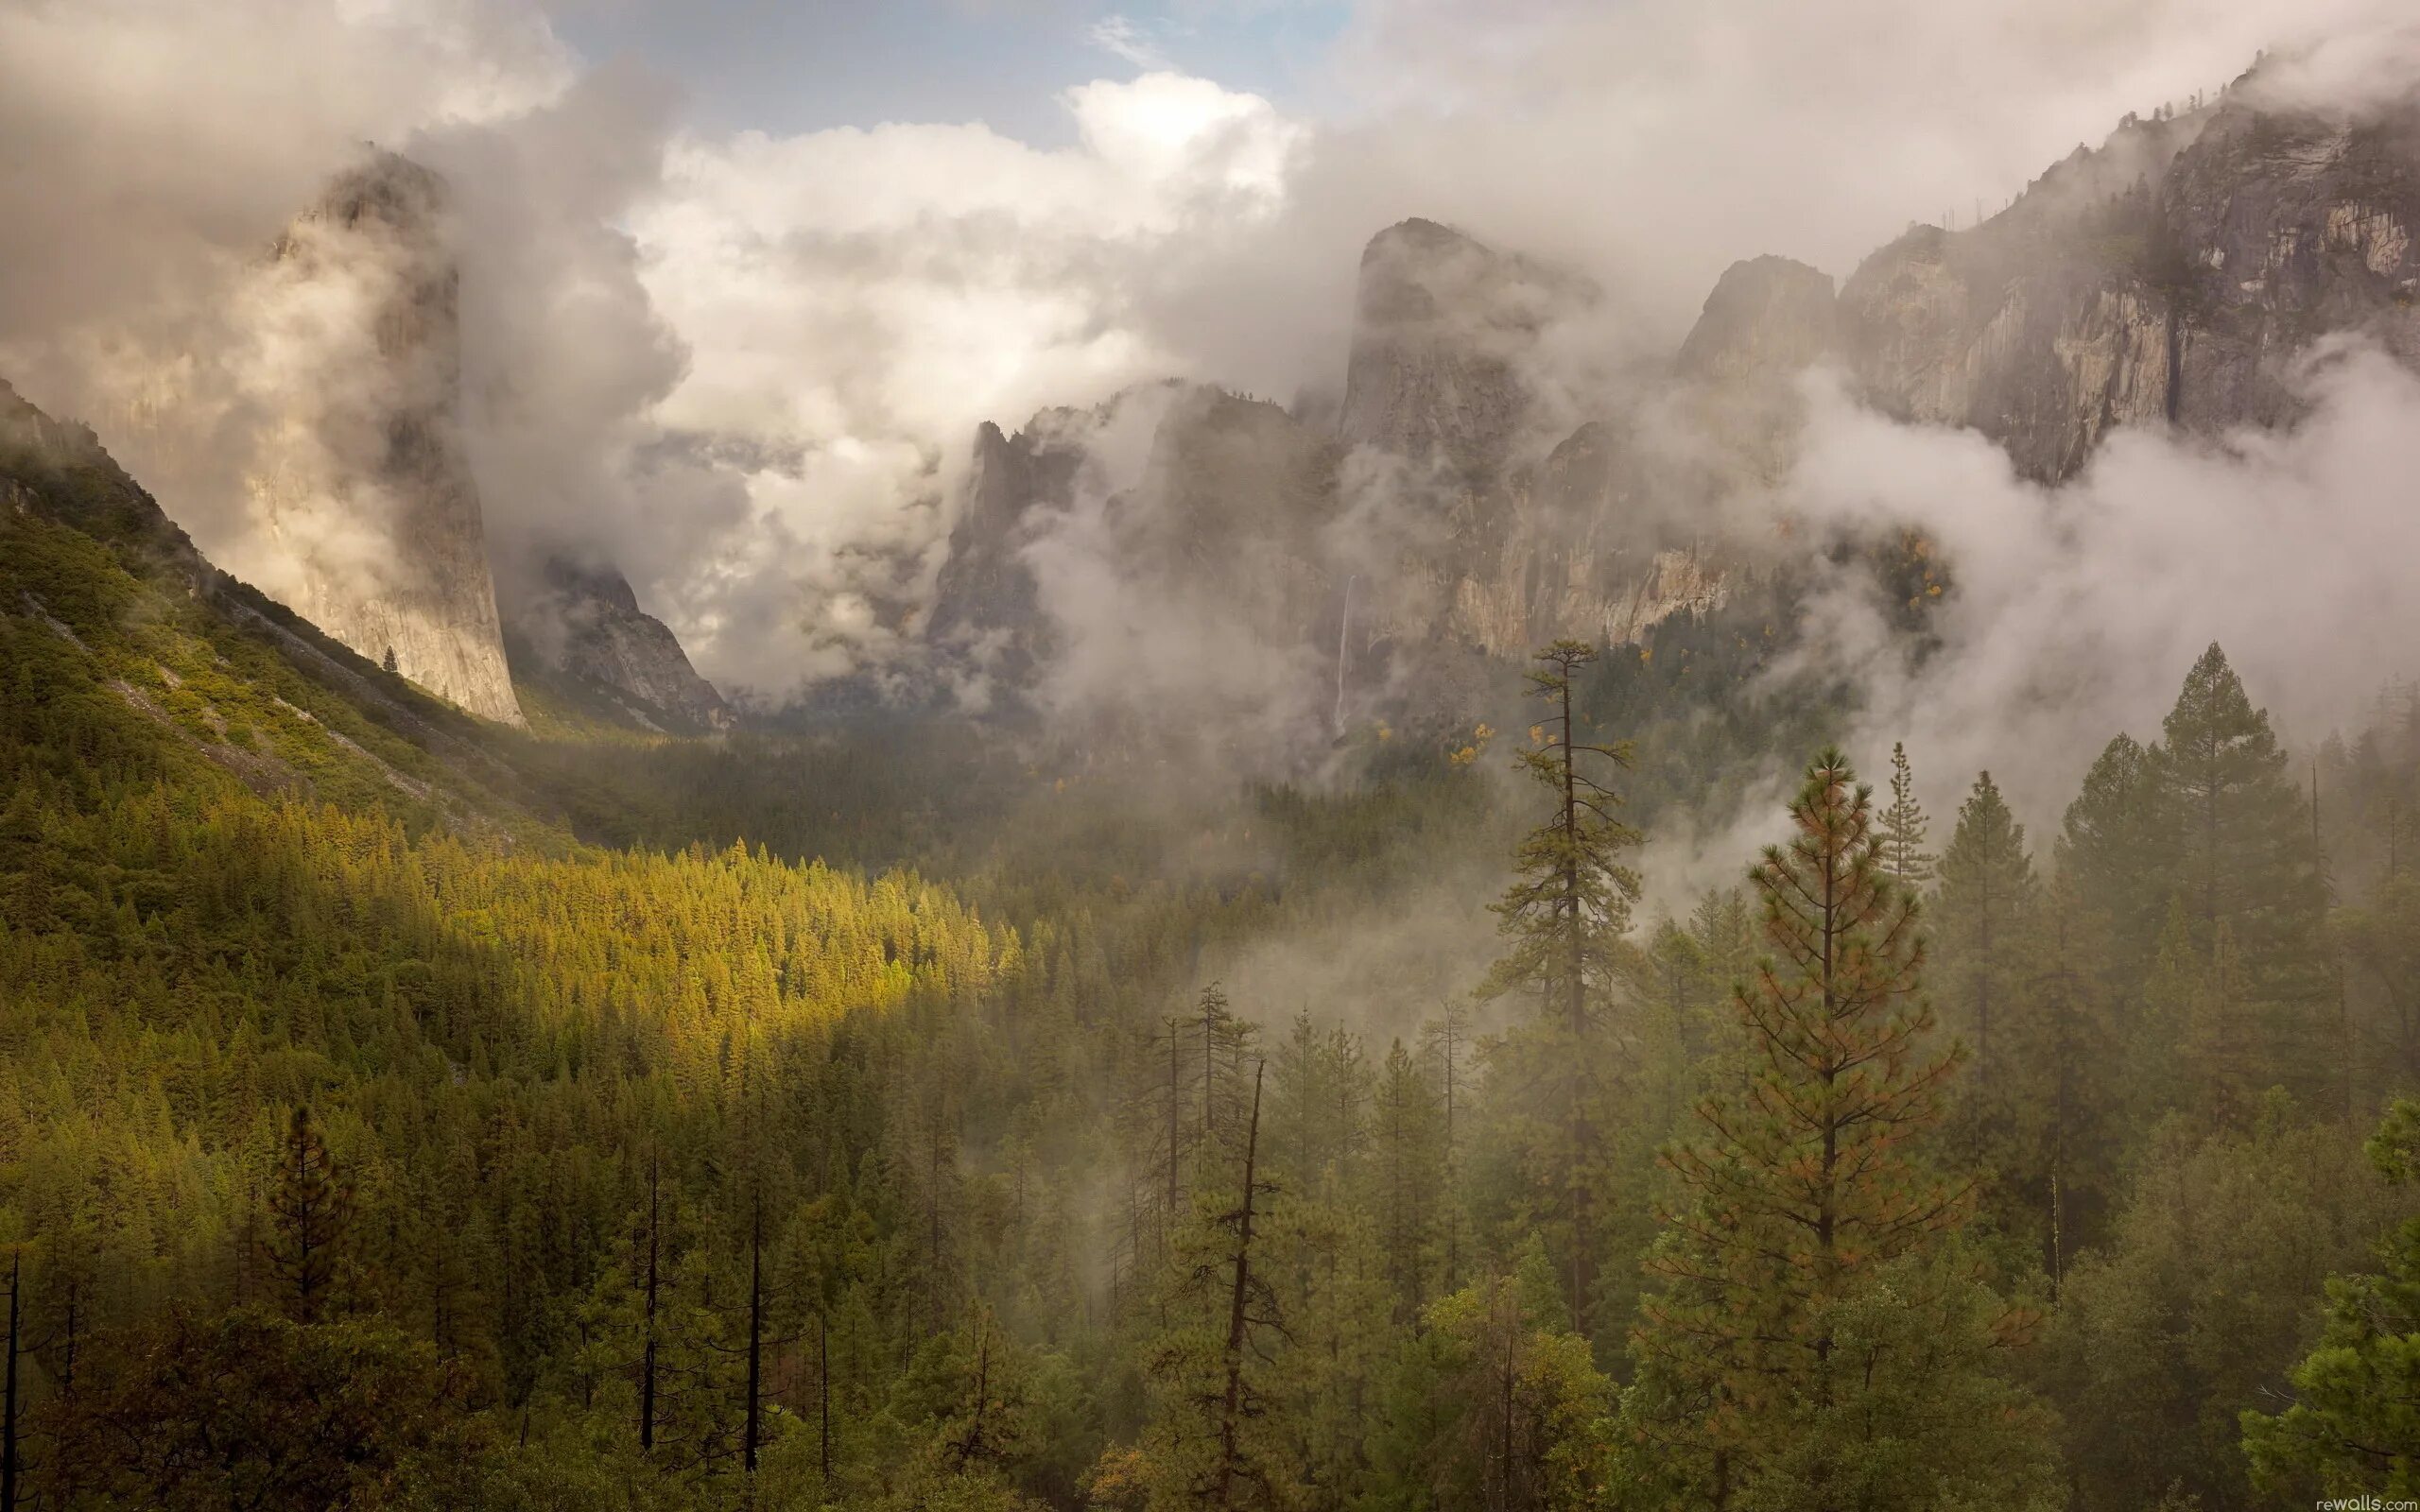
pixel 1904 826
pixel 1777 1363
pixel 2356 1426
pixel 252 1410
pixel 659 1088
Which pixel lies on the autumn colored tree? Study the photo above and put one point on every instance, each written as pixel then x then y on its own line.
pixel 1806 1183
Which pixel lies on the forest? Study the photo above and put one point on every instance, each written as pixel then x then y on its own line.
pixel 892 1118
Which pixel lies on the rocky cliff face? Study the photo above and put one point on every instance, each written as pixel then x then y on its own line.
pixel 361 479
pixel 2170 277
pixel 1441 327
pixel 582 633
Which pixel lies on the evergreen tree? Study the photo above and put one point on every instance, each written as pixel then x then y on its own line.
pixel 2118 844
pixel 1408 1135
pixel 2357 1427
pixel 1776 1355
pixel 309 1209
pixel 2065 1059
pixel 1212 1443
pixel 1904 825
pixel 2245 860
pixel 1987 894
pixel 1567 915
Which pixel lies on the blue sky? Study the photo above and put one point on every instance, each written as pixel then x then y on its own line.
pixel 786 66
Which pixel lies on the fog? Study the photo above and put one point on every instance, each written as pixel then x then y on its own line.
pixel 744 367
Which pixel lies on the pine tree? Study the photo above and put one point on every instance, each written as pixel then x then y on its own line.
pixel 1211 1443
pixel 2356 1428
pixel 1987 895
pixel 1445 1042
pixel 2118 843
pixel 1904 825
pixel 2245 858
pixel 1410 1156
pixel 1567 915
pixel 2064 1059
pixel 309 1210
pixel 1771 1356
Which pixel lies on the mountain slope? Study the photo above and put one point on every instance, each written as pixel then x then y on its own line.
pixel 117 622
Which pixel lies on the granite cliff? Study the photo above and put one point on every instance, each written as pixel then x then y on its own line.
pixel 581 634
pixel 362 480
pixel 2170 278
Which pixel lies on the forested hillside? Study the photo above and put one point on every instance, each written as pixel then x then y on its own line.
pixel 403 1113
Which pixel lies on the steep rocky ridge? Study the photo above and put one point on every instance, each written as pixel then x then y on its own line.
pixel 2172 276
pixel 363 481
pixel 580 633
pixel 263 693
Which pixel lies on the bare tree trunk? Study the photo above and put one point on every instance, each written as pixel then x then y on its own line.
pixel 647 1351
pixel 1231 1413
pixel 755 1421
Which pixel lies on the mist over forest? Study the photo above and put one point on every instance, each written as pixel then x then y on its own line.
pixel 1390 756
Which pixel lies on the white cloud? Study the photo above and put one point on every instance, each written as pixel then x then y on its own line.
pixel 2077 610
pixel 858 301
pixel 1120 37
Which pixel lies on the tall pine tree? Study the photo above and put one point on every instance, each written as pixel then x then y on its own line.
pixel 1987 895
pixel 1776 1365
pixel 1904 824
pixel 1567 915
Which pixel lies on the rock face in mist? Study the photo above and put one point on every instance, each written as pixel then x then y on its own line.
pixel 1609 531
pixel 1768 317
pixel 363 482
pixel 2171 277
pixel 985 587
pixel 1442 326
pixel 1206 508
pixel 583 625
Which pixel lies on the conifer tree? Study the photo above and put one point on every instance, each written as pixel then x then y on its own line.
pixel 1445 1042
pixel 1409 1150
pixel 1769 1357
pixel 1567 915
pixel 1987 893
pixel 2064 1059
pixel 2356 1429
pixel 309 1209
pixel 2245 858
pixel 2117 841
pixel 1212 1444
pixel 1903 827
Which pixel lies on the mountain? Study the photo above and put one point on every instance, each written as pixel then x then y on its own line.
pixel 1443 328
pixel 581 637
pixel 1459 509
pixel 363 478
pixel 2171 277
pixel 126 643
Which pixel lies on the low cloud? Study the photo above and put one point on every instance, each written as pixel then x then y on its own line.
pixel 2077 610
